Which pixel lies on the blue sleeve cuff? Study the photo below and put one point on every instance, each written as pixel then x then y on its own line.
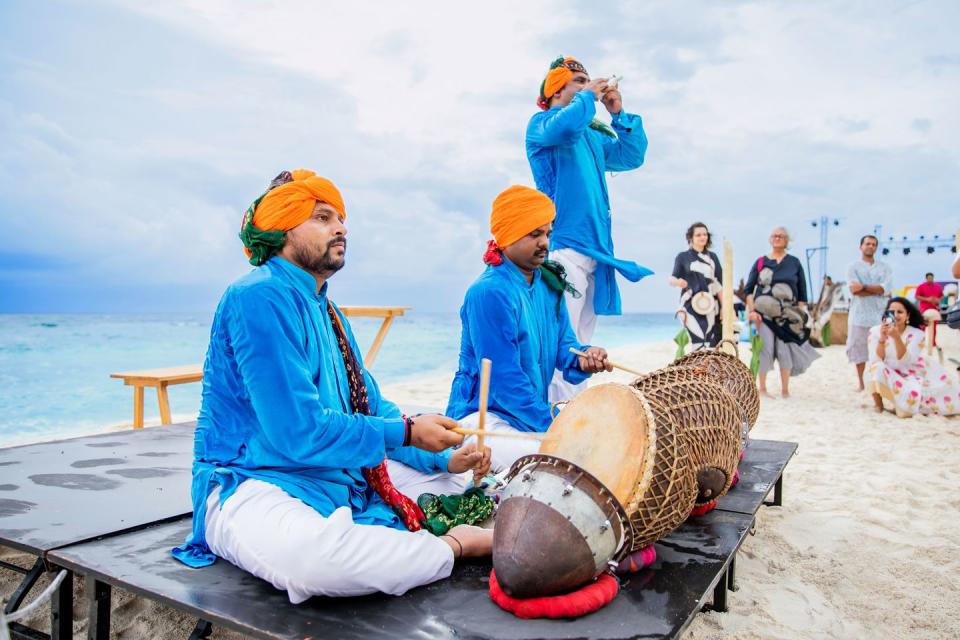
pixel 393 433
pixel 626 121
pixel 443 460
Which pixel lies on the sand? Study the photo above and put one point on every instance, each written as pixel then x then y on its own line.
pixel 866 544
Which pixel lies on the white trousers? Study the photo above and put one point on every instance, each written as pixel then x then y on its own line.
pixel 580 270
pixel 412 483
pixel 503 451
pixel 281 539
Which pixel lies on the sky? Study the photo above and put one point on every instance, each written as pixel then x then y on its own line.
pixel 134 135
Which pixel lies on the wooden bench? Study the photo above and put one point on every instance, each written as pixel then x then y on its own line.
pixel 163 378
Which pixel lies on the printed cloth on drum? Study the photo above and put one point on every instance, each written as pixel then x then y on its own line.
pixel 518 326
pixel 569 161
pixel 276 407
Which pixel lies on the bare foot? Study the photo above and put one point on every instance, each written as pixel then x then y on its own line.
pixel 785 394
pixel 468 541
pixel 766 394
pixel 878 409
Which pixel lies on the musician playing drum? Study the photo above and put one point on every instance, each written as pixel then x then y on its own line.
pixel 514 315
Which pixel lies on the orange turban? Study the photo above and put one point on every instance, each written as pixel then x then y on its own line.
pixel 518 211
pixel 287 203
pixel 561 72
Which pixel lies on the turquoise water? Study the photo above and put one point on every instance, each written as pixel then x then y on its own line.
pixel 55 369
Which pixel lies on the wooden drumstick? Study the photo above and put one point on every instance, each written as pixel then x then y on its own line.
pixel 726 305
pixel 482 408
pixel 499 434
pixel 611 363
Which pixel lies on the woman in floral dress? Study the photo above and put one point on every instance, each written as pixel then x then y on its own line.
pixel 901 372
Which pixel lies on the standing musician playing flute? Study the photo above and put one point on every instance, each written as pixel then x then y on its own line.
pixel 570 151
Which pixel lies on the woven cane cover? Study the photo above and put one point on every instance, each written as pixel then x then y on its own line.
pixel 733 374
pixel 612 431
pixel 706 415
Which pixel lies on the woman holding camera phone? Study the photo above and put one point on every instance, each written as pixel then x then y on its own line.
pixel 899 369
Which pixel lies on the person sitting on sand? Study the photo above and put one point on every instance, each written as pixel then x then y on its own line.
pixel 900 370
pixel 514 315
pixel 290 480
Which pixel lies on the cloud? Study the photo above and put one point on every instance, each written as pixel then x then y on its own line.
pixel 136 135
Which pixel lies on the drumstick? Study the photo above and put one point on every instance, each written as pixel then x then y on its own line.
pixel 484 394
pixel 482 409
pixel 611 363
pixel 499 434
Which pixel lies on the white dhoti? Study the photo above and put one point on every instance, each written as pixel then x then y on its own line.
pixel 583 319
pixel 281 539
pixel 503 451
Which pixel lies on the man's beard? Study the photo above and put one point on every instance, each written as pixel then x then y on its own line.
pixel 321 262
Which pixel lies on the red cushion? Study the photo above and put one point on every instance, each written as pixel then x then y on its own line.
pixel 587 599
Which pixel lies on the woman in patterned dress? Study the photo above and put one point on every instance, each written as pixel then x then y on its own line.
pixel 697 273
pixel 901 372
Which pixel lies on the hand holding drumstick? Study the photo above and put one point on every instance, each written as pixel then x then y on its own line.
pixel 608 365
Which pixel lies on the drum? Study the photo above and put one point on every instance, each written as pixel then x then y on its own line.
pixel 707 416
pixel 586 527
pixel 611 436
pixel 733 375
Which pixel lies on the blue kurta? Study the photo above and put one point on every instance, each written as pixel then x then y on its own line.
pixel 569 161
pixel 276 407
pixel 525 331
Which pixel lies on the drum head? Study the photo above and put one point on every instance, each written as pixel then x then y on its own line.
pixel 608 431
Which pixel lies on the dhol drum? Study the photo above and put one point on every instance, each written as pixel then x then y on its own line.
pixel 733 375
pixel 707 416
pixel 610 456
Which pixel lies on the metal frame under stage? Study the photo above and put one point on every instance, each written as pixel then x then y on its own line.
pixel 76 490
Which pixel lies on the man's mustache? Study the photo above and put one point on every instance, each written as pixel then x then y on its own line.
pixel 337 241
pixel 541 252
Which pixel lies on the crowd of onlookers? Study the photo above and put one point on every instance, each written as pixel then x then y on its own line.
pixel 891 340
pixel 888 339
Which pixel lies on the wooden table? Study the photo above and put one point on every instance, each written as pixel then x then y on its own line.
pixel 163 378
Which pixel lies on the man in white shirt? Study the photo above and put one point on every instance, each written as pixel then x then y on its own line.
pixel 870 283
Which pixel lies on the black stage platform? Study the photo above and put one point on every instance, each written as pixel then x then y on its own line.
pixel 658 602
pixel 64 492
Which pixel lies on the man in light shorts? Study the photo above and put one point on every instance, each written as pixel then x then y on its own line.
pixel 869 282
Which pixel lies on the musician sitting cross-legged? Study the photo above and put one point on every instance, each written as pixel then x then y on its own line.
pixel 290 480
pixel 514 315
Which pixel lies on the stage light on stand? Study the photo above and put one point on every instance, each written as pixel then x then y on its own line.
pixel 885 251
pixel 906 251
pixel 930 249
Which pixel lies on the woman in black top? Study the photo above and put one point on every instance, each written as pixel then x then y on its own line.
pixel 697 273
pixel 777 302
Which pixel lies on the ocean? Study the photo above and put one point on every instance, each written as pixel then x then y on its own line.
pixel 55 369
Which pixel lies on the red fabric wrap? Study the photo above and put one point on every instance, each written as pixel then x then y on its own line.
pixel 703 509
pixel 586 599
pixel 493 256
pixel 408 510
pixel 637 560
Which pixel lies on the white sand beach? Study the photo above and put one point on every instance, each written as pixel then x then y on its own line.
pixel 866 544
